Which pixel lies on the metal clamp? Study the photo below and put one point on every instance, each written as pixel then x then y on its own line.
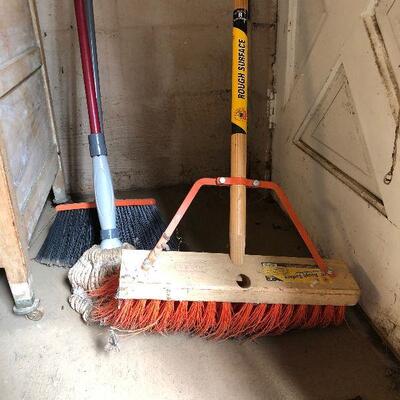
pixel 109 234
pixel 231 181
pixel 97 145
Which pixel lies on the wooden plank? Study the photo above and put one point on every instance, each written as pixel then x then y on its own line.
pixel 59 189
pixel 17 69
pixel 24 142
pixel 12 244
pixel 39 192
pixel 212 277
pixel 27 134
pixel 16 29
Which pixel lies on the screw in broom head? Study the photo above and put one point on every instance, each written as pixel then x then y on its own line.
pixel 208 319
pixel 76 228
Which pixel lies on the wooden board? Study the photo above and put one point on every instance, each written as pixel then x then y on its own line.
pixel 16 29
pixel 212 277
pixel 59 191
pixel 13 244
pixel 16 70
pixel 26 134
pixel 27 131
pixel 38 195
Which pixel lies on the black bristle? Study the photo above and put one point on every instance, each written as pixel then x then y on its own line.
pixel 75 231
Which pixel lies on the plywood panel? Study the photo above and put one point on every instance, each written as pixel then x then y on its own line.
pixel 28 153
pixel 27 134
pixel 16 29
pixel 38 195
pixel 18 68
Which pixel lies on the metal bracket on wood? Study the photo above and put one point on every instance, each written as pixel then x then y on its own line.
pixel 249 183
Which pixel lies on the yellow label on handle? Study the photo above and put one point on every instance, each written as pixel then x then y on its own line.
pixel 239 79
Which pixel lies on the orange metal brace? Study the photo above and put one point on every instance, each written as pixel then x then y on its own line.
pixel 250 183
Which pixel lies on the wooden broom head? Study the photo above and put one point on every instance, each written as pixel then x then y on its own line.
pixel 201 293
pixel 192 276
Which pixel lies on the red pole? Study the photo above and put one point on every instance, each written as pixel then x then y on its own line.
pixel 87 67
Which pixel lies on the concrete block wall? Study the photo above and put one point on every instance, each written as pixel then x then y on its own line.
pixel 165 76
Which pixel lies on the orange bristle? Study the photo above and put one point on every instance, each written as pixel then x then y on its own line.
pixel 108 288
pixel 270 320
pixel 224 321
pixel 165 319
pixel 209 319
pixel 299 316
pixel 180 323
pixel 313 317
pixel 340 314
pixel 255 319
pixel 150 315
pixel 285 319
pixel 195 315
pixel 327 315
pixel 134 313
pixel 240 320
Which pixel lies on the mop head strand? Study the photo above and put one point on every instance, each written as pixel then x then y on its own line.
pixel 205 318
pixel 76 228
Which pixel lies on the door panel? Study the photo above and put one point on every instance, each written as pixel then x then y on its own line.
pixel 332 132
pixel 309 22
pixel 16 29
pixel 305 24
pixel 27 134
pixel 27 137
pixel 334 146
pixel 387 15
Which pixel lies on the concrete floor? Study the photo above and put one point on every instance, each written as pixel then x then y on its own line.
pixel 60 357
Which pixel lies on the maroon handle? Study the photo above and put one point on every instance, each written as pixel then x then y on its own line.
pixel 87 67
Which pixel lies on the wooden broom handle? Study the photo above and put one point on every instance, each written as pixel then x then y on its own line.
pixel 243 4
pixel 237 222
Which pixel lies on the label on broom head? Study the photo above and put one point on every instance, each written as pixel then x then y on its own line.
pixel 293 273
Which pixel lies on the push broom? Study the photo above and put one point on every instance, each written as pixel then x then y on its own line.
pixel 79 226
pixel 217 295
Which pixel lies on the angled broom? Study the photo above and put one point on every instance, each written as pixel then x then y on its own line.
pixel 78 226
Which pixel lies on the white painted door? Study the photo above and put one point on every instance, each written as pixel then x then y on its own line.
pixel 334 146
